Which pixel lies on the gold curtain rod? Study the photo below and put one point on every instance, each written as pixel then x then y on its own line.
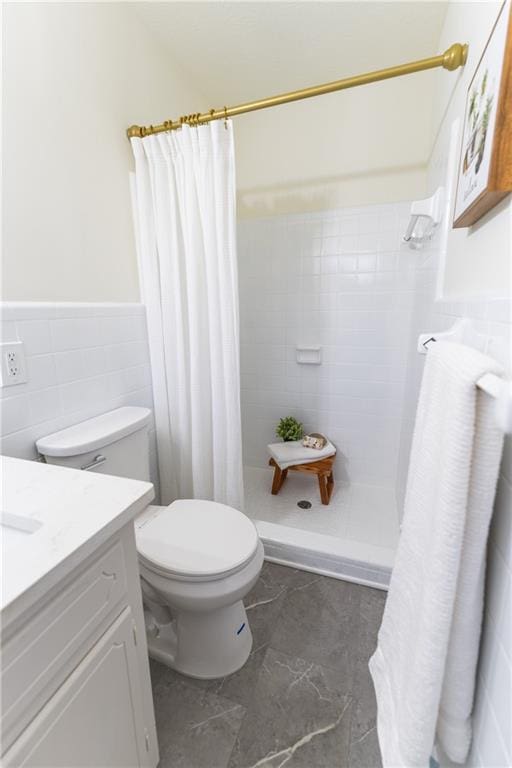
pixel 453 58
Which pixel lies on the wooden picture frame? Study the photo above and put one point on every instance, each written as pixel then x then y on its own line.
pixel 485 169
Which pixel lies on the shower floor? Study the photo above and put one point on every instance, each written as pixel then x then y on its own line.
pixel 355 536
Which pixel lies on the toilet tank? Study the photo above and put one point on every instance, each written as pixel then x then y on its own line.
pixel 115 443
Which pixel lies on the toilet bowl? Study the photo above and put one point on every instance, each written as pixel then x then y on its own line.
pixel 197 559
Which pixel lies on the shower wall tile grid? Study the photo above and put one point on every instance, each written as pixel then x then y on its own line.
pixel 82 360
pixel 342 280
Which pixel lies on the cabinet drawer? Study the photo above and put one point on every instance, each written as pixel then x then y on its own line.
pixel 41 654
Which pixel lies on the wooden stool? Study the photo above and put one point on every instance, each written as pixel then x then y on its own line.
pixel 322 468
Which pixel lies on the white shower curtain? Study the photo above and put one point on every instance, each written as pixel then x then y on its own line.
pixel 185 220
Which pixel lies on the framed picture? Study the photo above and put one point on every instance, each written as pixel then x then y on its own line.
pixel 485 170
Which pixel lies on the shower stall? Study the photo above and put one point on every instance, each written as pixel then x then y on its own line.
pixel 342 281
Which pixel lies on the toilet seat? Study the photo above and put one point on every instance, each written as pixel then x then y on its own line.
pixel 195 540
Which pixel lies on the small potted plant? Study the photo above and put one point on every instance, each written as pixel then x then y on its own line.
pixel 289 429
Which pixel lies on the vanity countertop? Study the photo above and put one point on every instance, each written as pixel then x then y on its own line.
pixel 54 517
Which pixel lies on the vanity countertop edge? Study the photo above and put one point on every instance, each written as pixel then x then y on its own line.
pixel 78 512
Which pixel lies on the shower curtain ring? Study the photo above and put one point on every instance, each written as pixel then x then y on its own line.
pixel 226 118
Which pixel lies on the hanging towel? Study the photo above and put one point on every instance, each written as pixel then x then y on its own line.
pixel 424 667
pixel 293 452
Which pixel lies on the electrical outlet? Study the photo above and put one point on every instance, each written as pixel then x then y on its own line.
pixel 13 369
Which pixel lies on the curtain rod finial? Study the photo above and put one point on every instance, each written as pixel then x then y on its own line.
pixel 455 56
pixel 135 130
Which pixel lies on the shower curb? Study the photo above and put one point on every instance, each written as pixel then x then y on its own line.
pixel 330 564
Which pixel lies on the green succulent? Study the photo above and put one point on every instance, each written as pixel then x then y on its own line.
pixel 289 429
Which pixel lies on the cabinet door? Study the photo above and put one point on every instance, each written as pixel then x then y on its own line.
pixel 95 719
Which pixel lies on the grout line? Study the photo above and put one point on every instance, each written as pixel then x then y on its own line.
pixel 110 404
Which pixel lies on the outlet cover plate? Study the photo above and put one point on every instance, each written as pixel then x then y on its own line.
pixel 13 369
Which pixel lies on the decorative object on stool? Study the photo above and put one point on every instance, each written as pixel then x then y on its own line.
pixel 289 429
pixel 314 440
pixel 299 458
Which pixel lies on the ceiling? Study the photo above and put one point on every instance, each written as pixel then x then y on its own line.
pixel 239 51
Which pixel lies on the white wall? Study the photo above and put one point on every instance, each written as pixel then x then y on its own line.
pixel 75 76
pixel 369 145
pixel 340 150
pixel 356 147
pixel 82 360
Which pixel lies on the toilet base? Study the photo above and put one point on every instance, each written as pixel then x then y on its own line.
pixel 203 644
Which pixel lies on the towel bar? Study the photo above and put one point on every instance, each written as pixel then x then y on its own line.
pixel 495 386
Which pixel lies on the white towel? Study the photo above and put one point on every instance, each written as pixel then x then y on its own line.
pixel 293 452
pixel 424 666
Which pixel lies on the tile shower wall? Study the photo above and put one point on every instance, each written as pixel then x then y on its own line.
pixel 82 360
pixel 343 281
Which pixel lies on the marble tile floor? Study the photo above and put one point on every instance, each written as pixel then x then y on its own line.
pixel 357 512
pixel 304 698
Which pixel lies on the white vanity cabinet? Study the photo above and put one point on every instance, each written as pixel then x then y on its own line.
pixel 95 718
pixel 75 678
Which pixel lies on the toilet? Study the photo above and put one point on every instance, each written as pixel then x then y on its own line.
pixel 197 559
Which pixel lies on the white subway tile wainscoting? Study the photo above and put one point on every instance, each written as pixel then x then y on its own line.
pixel 82 360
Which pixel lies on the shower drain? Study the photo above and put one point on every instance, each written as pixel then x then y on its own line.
pixel 304 504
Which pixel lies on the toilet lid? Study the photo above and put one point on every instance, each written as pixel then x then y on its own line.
pixel 192 537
